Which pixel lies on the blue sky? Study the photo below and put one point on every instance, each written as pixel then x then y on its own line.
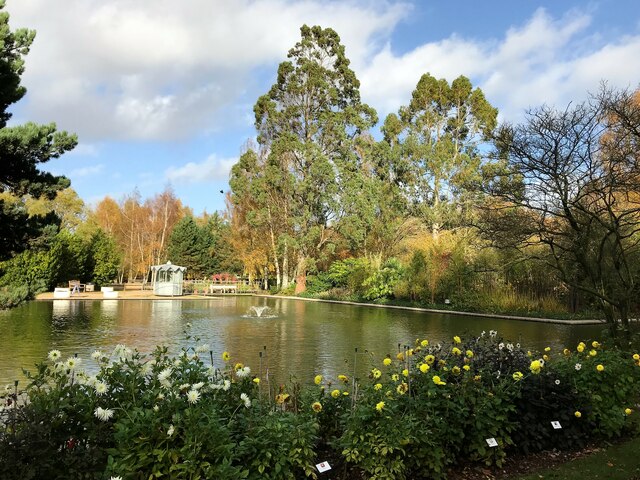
pixel 161 92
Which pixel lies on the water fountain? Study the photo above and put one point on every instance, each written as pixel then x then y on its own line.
pixel 260 312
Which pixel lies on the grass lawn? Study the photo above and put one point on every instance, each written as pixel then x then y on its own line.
pixel 617 462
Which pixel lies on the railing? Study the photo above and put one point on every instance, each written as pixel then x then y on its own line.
pixel 211 287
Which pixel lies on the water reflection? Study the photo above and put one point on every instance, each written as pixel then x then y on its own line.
pixel 61 309
pixel 110 308
pixel 306 338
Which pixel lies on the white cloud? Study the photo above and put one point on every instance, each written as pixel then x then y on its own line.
pixel 153 69
pixel 211 169
pixel 547 60
pixel 85 150
pixel 387 82
pixel 88 171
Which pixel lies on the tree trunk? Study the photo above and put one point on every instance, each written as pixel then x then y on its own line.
pixel 609 313
pixel 301 275
pixel 274 250
pixel 623 329
pixel 435 230
pixel 131 249
pixel 435 224
pixel 285 267
pixel 165 226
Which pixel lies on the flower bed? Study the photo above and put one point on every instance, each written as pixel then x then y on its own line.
pixel 421 411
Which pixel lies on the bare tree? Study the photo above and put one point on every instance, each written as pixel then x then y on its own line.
pixel 570 183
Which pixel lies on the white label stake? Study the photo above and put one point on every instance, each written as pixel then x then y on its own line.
pixel 323 467
pixel 492 442
pixel 556 425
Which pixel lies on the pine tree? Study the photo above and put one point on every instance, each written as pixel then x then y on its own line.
pixel 23 148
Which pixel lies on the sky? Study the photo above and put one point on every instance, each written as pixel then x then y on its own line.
pixel 161 93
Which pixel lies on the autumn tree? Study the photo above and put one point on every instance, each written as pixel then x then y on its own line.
pixel 571 185
pixel 165 210
pixel 260 197
pixel 67 205
pixel 248 242
pixel 106 215
pixel 141 229
pixel 129 235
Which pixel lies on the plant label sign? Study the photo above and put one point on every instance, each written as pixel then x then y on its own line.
pixel 492 442
pixel 556 425
pixel 323 467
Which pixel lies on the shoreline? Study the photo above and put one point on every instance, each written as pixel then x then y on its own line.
pixel 134 295
pixel 449 312
pixel 148 295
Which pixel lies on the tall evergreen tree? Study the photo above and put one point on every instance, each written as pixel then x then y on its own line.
pixel 307 125
pixel 105 258
pixel 220 255
pixel 23 147
pixel 187 245
pixel 438 134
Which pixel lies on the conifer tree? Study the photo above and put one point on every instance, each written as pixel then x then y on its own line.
pixel 23 148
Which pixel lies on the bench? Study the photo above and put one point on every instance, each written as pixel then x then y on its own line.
pixel 121 287
pixel 76 286
pixel 223 288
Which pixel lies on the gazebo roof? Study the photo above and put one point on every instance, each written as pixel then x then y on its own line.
pixel 168 267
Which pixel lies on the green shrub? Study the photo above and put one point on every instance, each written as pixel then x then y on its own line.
pixel 377 443
pixel 279 445
pixel 604 394
pixel 318 283
pixel 32 269
pixel 350 273
pixel 382 283
pixel 12 296
pixel 290 290
pixel 104 259
pixel 545 398
pixel 200 444
pixel 54 434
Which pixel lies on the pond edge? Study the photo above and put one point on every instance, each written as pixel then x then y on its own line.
pixel 450 312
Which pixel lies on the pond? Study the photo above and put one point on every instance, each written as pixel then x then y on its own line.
pixel 301 338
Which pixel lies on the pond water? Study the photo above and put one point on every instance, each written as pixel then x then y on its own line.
pixel 301 338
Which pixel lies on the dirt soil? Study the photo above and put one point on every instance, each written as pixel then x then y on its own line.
pixel 517 465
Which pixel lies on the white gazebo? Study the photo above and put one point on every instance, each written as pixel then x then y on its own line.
pixel 167 279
